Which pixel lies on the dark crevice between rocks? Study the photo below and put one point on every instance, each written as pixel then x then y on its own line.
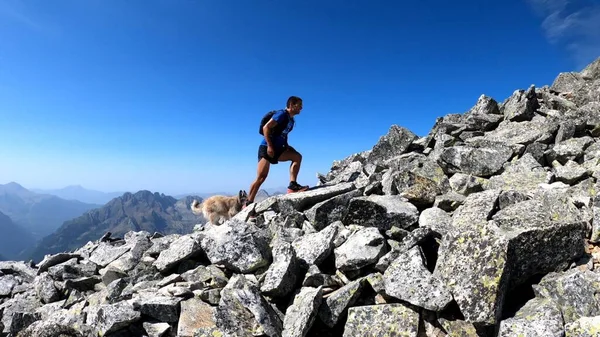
pixel 519 295
pixel 430 247
pixel 452 312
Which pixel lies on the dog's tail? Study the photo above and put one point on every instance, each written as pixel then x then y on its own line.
pixel 196 207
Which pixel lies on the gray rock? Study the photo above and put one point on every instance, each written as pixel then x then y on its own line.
pixel 280 278
pixel 476 210
pixel 156 329
pixel 523 133
pixel 382 212
pixel 339 301
pixel 420 165
pixel 240 246
pixel 243 311
pixel 472 263
pixel 394 143
pixel 483 162
pixel 362 248
pixel 435 218
pixel 195 314
pixel 52 260
pixel 107 252
pixel 573 291
pixel 334 209
pixel 467 183
pixel 570 149
pixel 314 248
pixel 522 175
pixel 449 202
pixel 408 279
pixel 181 249
pixel 109 318
pixel 161 308
pixel 302 313
pixel 583 327
pixel 521 106
pixel 302 201
pixel 382 320
pixel 544 233
pixel 539 317
pixel 570 173
pixel 45 288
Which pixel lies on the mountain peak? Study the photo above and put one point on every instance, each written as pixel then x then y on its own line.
pixel 14 188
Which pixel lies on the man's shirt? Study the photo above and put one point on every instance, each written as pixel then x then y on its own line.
pixel 282 118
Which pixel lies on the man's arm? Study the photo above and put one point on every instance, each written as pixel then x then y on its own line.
pixel 267 131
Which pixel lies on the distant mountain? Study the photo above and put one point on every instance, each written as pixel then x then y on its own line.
pixel 13 238
pixel 203 195
pixel 261 195
pixel 40 214
pixel 79 193
pixel 144 210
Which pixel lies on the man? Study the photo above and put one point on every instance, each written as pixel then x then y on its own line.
pixel 274 148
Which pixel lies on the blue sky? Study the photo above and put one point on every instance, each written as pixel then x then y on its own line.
pixel 166 95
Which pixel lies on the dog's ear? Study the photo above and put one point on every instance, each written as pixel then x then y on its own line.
pixel 240 194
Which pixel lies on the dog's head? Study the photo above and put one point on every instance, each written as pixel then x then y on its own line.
pixel 242 197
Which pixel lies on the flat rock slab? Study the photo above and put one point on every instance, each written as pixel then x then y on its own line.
pixel 382 212
pixel 382 320
pixel 482 162
pixel 301 201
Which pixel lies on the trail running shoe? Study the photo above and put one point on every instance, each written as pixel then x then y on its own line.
pixel 295 187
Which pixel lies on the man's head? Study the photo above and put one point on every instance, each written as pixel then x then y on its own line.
pixel 294 105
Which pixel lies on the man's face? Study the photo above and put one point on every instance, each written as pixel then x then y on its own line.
pixel 296 108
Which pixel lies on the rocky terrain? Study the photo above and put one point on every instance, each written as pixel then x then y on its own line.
pixel 485 227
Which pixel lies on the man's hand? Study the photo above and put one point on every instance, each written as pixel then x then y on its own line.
pixel 270 151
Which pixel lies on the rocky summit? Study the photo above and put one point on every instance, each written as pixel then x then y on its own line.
pixel 486 226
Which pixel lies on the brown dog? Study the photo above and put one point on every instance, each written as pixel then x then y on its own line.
pixel 219 207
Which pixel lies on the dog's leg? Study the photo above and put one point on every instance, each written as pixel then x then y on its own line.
pixel 213 218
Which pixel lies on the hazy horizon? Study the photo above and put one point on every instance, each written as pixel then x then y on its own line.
pixel 168 96
pixel 280 188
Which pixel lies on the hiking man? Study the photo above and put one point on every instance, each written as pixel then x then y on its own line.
pixel 274 148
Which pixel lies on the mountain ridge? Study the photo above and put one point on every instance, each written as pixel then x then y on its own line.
pixel 142 210
pixel 39 214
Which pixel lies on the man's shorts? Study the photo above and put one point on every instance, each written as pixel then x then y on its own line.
pixel 262 153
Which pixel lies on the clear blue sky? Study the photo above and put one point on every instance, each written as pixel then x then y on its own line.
pixel 167 95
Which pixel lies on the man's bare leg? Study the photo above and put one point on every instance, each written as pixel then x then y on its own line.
pixel 261 175
pixel 296 159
